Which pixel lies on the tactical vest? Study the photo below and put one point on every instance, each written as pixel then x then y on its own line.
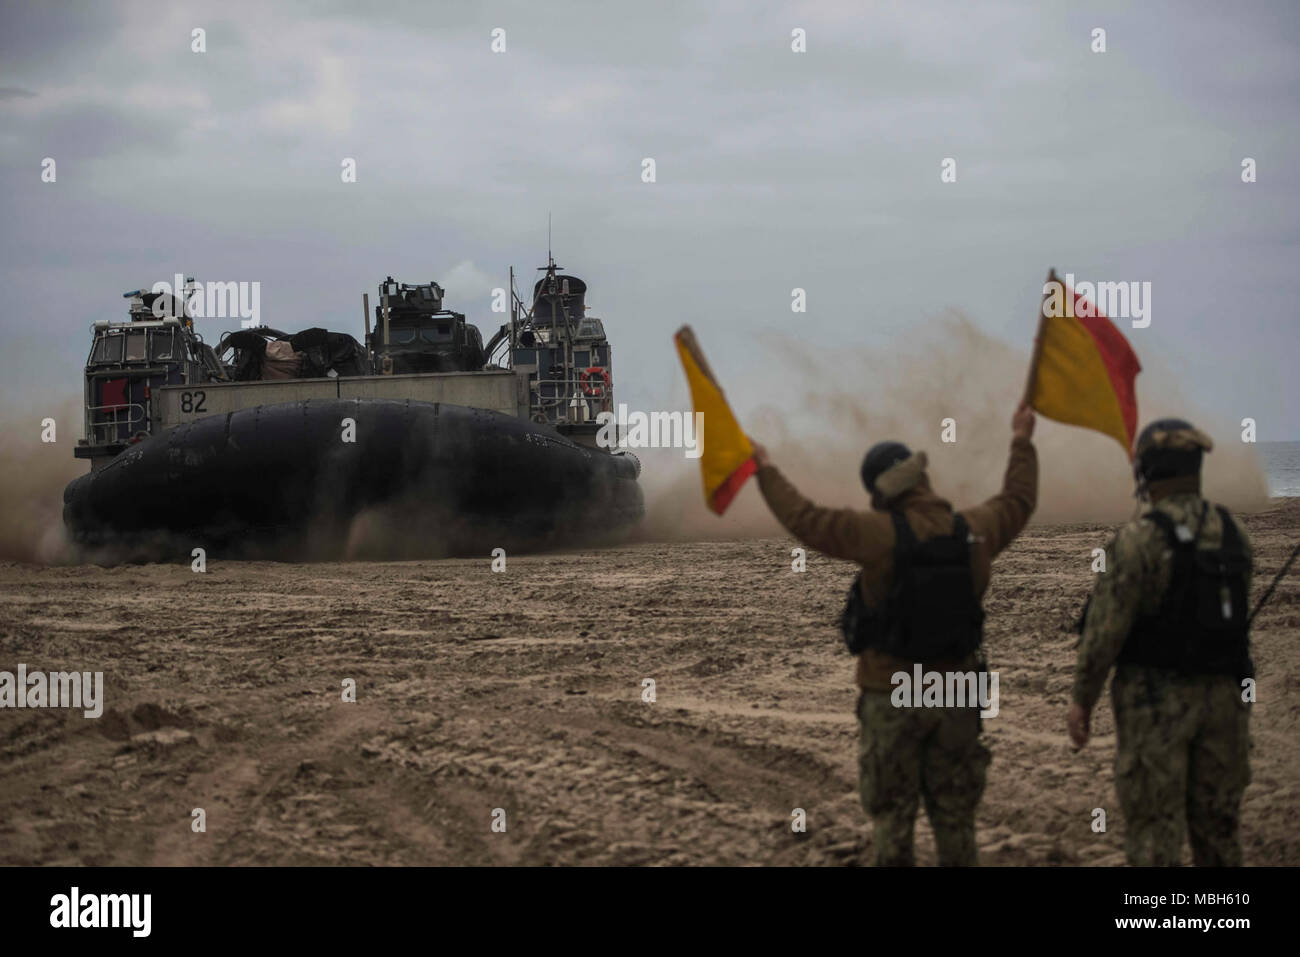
pixel 1201 627
pixel 931 611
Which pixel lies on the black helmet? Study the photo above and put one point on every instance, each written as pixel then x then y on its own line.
pixel 1169 448
pixel 879 457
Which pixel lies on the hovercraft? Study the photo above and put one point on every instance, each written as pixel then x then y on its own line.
pixel 419 441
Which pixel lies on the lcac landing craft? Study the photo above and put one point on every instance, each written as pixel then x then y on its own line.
pixel 422 441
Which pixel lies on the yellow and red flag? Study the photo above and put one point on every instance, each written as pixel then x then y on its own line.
pixel 726 457
pixel 1084 371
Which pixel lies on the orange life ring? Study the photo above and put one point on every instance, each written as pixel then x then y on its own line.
pixel 594 389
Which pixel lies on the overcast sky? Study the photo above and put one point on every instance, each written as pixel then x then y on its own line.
pixel 775 170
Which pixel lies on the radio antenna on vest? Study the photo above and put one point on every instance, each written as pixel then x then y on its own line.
pixel 1268 592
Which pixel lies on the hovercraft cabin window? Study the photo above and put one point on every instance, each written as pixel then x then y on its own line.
pixel 135 347
pixel 162 345
pixel 109 348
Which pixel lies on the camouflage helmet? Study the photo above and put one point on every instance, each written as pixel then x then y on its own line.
pixel 1168 448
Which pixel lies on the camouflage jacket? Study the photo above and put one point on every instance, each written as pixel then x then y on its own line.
pixel 867 537
pixel 1136 576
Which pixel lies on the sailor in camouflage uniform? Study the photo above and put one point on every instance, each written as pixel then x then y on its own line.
pixel 908 756
pixel 1168 611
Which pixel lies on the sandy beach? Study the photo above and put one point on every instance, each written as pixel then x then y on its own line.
pixel 525 691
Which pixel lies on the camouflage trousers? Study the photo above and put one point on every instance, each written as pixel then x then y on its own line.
pixel 911 754
pixel 1181 765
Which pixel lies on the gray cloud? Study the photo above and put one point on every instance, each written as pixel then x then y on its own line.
pixel 775 170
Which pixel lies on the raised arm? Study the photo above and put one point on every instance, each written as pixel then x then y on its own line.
pixel 837 532
pixel 1004 516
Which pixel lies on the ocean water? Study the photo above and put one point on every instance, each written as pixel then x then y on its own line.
pixel 1282 465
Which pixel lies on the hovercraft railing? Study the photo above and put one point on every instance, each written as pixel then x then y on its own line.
pixel 557 408
pixel 105 431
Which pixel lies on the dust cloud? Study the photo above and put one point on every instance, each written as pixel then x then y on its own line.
pixel 833 407
pixel 32 477
pixel 838 404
